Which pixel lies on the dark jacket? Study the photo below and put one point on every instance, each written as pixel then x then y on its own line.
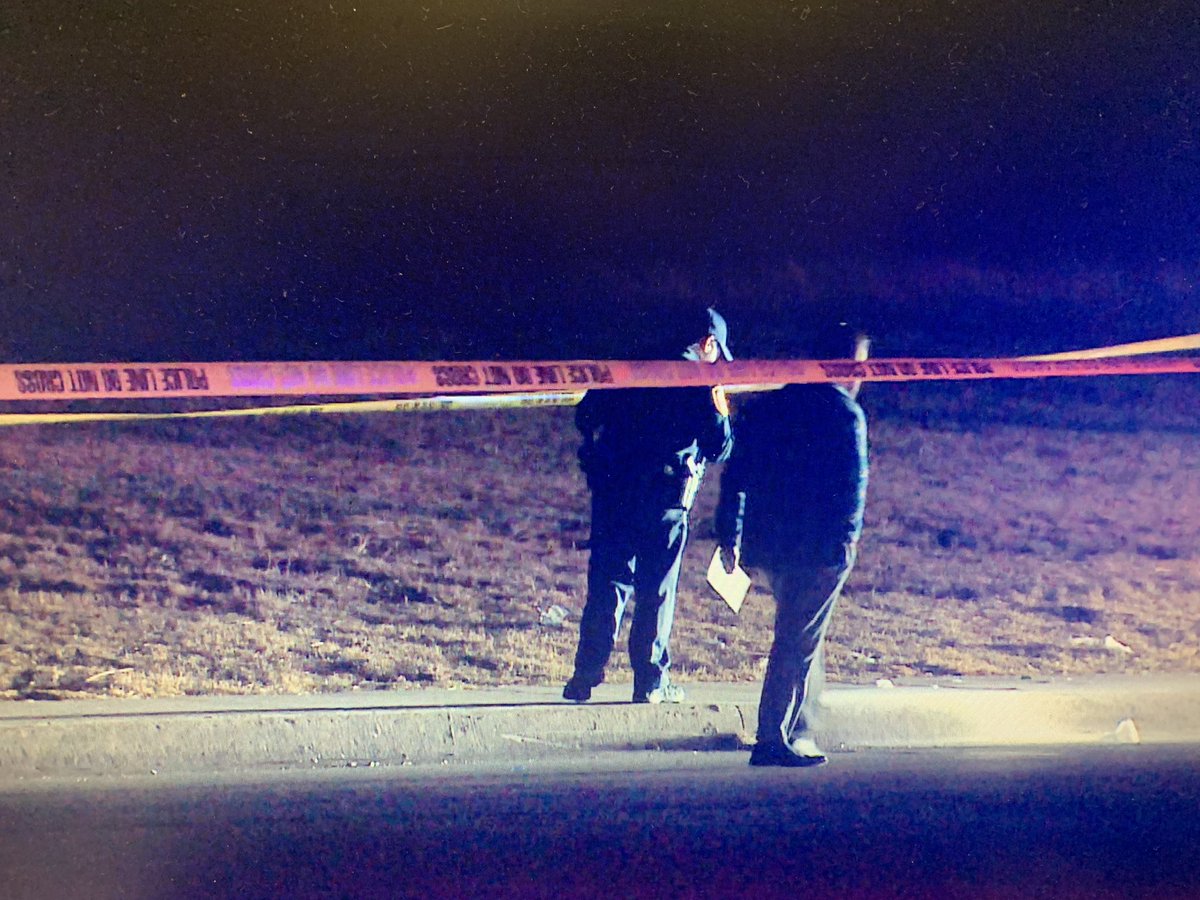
pixel 635 436
pixel 795 487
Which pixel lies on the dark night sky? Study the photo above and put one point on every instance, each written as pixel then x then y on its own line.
pixel 392 179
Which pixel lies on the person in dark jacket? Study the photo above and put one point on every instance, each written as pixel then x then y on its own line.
pixel 644 452
pixel 791 508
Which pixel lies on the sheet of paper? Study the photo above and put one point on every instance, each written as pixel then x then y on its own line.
pixel 730 586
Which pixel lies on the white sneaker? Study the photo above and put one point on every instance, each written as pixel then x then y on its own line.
pixel 807 748
pixel 667 693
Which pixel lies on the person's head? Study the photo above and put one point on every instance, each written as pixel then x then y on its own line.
pixel 837 340
pixel 713 344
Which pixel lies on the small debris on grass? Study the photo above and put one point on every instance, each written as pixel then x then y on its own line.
pixel 555 616
pixel 1111 643
pixel 91 679
pixel 1108 642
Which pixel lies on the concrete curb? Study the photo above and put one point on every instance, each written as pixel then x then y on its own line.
pixel 998 713
pixel 210 735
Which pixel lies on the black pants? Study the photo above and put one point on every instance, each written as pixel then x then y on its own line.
pixel 636 551
pixel 805 595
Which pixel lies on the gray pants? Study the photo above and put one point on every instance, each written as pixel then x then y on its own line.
pixel 805 596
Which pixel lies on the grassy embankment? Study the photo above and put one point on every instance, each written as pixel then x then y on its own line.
pixel 338 553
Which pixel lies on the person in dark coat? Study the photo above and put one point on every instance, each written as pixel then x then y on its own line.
pixel 791 509
pixel 644 452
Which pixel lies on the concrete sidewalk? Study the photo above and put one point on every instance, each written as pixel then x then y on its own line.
pixel 207 735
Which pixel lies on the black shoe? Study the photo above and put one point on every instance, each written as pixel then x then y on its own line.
pixel 803 753
pixel 578 689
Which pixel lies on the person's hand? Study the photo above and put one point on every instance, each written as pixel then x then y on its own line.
pixel 720 400
pixel 729 558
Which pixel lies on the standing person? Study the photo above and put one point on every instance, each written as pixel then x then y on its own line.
pixel 791 508
pixel 644 452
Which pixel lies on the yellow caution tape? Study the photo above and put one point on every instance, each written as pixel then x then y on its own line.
pixel 417 404
pixel 1137 348
pixel 72 381
pixel 482 385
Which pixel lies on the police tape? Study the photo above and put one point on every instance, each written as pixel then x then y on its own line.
pixel 413 404
pixel 1137 348
pixel 69 381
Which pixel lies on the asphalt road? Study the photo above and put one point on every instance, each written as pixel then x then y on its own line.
pixel 1109 822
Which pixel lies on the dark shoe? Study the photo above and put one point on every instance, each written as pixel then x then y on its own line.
pixel 664 693
pixel 803 753
pixel 579 689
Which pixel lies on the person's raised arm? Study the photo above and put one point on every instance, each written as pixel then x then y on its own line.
pixel 862 350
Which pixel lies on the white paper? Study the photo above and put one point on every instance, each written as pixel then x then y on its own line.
pixel 730 586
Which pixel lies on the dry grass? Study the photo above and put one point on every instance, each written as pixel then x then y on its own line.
pixel 305 555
